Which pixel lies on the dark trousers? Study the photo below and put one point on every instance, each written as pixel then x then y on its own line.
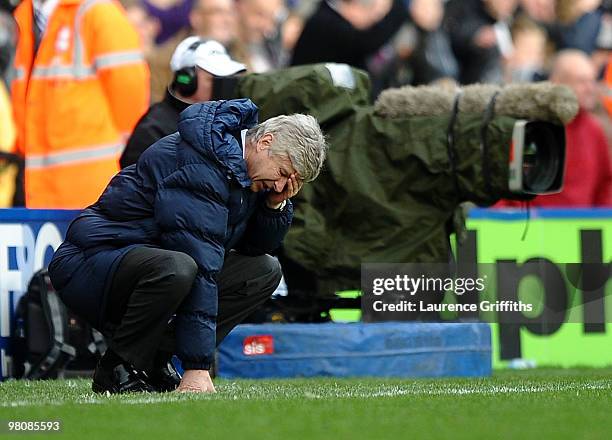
pixel 150 284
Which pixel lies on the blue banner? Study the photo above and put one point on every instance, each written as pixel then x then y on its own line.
pixel 28 239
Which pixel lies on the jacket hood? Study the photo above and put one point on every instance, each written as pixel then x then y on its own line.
pixel 207 127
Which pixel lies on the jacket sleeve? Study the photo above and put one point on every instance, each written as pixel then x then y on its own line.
pixel 266 229
pixel 192 215
pixel 117 57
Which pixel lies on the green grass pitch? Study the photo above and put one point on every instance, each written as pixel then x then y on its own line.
pixel 532 404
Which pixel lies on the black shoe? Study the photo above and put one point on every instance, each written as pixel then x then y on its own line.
pixel 164 378
pixel 122 378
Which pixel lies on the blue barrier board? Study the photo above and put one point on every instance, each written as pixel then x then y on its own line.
pixel 390 349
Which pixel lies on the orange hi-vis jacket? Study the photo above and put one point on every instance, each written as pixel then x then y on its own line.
pixel 607 93
pixel 76 99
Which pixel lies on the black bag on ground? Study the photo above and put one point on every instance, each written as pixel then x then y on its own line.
pixel 49 340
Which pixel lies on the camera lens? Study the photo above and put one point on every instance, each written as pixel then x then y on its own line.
pixel 542 156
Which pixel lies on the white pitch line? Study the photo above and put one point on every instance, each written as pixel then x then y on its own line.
pixel 356 393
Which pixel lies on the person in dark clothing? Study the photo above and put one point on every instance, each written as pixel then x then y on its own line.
pixel 194 63
pixel 577 25
pixel 570 24
pixel 480 37
pixel 174 253
pixel 419 53
pixel 348 31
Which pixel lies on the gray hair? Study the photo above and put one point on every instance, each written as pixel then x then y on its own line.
pixel 297 136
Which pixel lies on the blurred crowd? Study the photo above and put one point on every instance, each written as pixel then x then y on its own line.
pixel 125 48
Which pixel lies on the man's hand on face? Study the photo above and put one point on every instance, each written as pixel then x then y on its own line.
pixel 196 381
pixel 292 187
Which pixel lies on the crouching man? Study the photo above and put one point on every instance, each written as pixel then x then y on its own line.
pixel 173 255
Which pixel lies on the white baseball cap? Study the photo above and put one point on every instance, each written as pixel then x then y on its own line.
pixel 209 55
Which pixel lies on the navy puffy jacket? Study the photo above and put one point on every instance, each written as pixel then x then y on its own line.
pixel 189 192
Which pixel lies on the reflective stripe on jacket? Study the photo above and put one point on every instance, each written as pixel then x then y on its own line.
pixel 76 99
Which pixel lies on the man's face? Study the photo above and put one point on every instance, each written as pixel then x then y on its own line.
pixel 204 91
pixel 584 84
pixel 146 26
pixel 266 170
pixel 259 17
pixel 578 73
pixel 216 19
pixel 540 10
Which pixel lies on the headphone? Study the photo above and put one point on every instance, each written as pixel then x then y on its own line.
pixel 185 80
